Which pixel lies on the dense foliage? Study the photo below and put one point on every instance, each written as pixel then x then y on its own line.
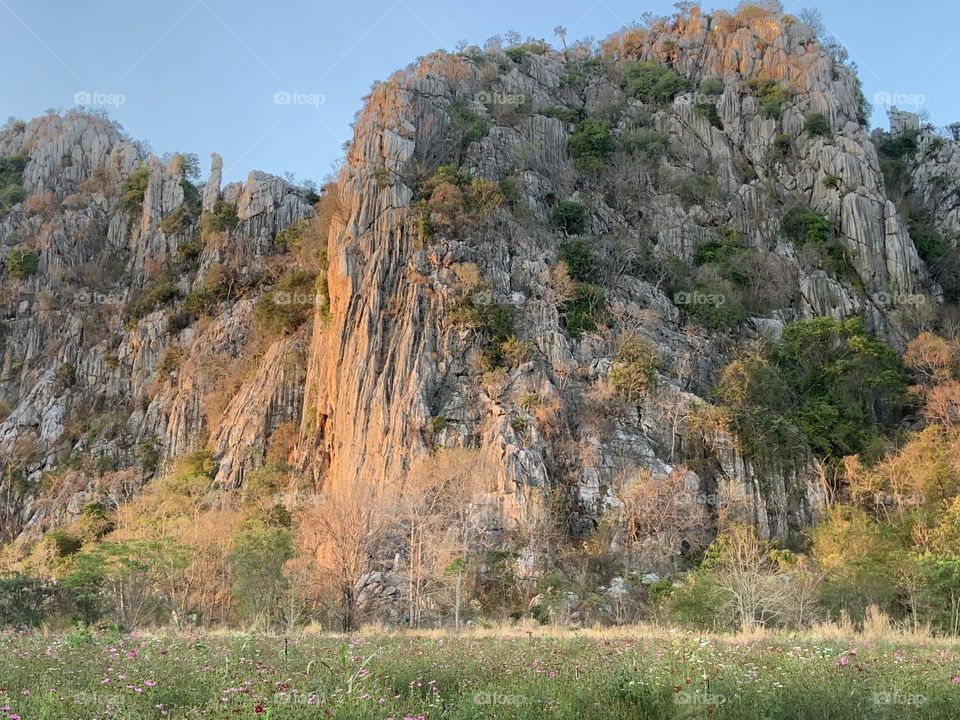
pixel 591 144
pixel 11 181
pixel 21 263
pixel 826 385
pixel 654 83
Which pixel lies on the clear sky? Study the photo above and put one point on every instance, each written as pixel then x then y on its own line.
pixel 203 75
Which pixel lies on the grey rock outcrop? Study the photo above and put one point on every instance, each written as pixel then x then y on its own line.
pixel 84 383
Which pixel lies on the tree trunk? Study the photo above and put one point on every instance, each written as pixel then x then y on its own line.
pixel 456 602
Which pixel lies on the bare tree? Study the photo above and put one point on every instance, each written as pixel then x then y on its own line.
pixel 747 577
pixel 930 358
pixel 340 529
pixel 669 510
pixel 561 32
pixel 439 523
pixel 943 405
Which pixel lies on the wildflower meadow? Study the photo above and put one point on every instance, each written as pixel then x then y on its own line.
pixel 514 675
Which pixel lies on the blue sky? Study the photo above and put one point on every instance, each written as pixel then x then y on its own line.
pixel 202 75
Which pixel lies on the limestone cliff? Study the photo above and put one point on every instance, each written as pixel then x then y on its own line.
pixel 392 374
pixel 449 315
pixel 86 383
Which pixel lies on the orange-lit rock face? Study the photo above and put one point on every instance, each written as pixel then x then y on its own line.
pixel 392 373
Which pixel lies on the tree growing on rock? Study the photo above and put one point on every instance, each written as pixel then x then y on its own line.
pixel 666 510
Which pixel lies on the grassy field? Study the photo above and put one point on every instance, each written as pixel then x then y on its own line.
pixel 560 674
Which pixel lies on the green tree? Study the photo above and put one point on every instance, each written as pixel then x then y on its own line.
pixel 654 83
pixel 802 225
pixel 26 601
pixel 817 125
pixel 585 310
pixel 130 581
pixel 591 144
pixel 256 562
pixel 570 217
pixel 290 303
pixel 11 181
pixel 22 263
pixel 134 188
pixel 826 382
pixel 859 558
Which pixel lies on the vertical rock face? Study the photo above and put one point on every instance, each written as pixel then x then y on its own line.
pixel 935 169
pixel 371 371
pixel 211 190
pixel 392 373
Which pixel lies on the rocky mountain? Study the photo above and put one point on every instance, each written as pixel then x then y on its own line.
pixel 103 374
pixel 547 255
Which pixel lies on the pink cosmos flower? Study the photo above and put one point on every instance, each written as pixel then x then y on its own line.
pixel 844 660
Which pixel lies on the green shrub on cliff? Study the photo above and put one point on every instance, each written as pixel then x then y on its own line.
pixel 591 144
pixel 654 83
pixel 21 263
pixel 11 181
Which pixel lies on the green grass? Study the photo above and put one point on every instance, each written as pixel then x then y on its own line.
pixel 472 676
